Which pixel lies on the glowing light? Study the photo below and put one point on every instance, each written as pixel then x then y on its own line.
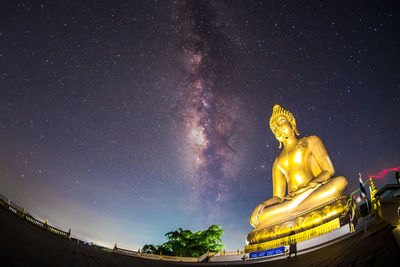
pixel 298 178
pixel 297 157
pixel 382 173
pixel 317 220
pixel 327 193
pixel 331 213
pixel 198 137
pixel 286 164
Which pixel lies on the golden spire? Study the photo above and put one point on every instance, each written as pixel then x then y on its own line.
pixel 373 188
pixel 372 184
pixel 279 111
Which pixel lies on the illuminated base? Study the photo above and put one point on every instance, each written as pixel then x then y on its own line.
pixel 299 224
pixel 296 238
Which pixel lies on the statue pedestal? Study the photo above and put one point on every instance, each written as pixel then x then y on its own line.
pixel 322 218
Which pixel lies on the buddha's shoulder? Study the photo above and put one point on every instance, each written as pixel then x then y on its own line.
pixel 313 139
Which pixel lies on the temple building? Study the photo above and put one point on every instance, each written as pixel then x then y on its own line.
pixel 389 198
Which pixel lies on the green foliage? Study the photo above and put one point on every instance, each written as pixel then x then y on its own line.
pixel 152 249
pixel 189 244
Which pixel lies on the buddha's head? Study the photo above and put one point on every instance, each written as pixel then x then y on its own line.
pixel 282 124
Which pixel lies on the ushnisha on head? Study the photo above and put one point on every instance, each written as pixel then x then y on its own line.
pixel 279 114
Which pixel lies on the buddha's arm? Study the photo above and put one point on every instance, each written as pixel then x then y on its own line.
pixel 278 181
pixel 321 157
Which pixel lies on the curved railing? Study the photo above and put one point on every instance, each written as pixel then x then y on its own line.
pixel 22 213
pixel 161 257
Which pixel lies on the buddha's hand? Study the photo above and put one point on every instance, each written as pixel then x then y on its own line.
pixel 298 191
pixel 273 200
pixel 320 179
pixel 254 217
pixel 313 184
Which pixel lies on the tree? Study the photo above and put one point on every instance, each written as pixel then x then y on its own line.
pixel 189 244
pixel 152 249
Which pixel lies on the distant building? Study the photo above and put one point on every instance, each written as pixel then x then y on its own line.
pixel 389 198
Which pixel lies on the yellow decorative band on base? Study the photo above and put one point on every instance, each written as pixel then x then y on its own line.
pixel 306 220
pixel 296 238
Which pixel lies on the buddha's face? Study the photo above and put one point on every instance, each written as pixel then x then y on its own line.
pixel 282 128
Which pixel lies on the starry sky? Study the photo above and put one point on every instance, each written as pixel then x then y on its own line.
pixel 124 120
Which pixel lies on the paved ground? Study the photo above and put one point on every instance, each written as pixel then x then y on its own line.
pixel 23 244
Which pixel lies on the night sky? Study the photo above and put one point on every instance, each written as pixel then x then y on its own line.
pixel 124 120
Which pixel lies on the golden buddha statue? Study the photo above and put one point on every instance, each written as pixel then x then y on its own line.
pixel 304 167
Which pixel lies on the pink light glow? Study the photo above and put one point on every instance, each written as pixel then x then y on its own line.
pixel 382 173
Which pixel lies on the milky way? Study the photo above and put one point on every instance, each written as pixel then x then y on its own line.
pixel 209 112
